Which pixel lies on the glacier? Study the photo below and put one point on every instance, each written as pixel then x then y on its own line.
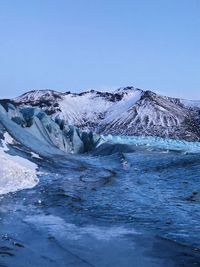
pixel 152 143
pixel 74 198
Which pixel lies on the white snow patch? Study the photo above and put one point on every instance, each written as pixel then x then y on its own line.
pixel 8 138
pixel 16 173
pixel 34 155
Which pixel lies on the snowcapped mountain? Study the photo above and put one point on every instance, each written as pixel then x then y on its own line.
pixel 126 111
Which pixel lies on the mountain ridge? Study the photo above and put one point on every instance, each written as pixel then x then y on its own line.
pixel 124 111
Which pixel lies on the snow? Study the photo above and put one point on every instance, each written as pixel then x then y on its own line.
pixel 34 155
pixel 8 138
pixel 83 108
pixel 125 111
pixel 122 107
pixel 16 173
pixel 36 95
pixel 190 103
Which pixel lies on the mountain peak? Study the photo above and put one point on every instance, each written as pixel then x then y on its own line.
pixel 127 89
pixel 38 95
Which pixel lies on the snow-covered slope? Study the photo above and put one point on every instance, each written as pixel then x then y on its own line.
pixel 126 111
pixel 16 172
pixel 191 103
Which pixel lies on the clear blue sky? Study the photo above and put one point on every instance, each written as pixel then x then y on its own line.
pixel 80 44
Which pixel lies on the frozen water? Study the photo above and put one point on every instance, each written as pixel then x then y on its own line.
pixel 128 200
pixel 154 143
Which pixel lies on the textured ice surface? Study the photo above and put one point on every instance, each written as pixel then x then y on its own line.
pixel 99 211
pixel 154 143
pixel 46 135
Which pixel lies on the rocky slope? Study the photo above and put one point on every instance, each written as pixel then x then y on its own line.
pixel 126 111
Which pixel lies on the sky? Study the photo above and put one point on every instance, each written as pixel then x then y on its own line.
pixel 76 45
